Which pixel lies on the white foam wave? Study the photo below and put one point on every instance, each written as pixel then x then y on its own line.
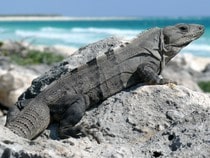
pixel 106 31
pixel 198 47
pixel 52 29
pixel 93 30
pixel 40 34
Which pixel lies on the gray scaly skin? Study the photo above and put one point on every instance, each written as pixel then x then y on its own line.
pixel 66 99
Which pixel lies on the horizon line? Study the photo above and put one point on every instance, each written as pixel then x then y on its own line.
pixel 55 17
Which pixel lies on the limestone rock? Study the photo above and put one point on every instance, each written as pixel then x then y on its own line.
pixel 182 75
pixel 205 75
pixel 144 122
pixel 14 46
pixel 188 70
pixel 145 111
pixel 187 138
pixel 189 61
pixel 13 81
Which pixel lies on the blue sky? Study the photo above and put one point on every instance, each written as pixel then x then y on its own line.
pixel 95 8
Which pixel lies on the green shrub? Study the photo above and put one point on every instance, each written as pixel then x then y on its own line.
pixel 205 86
pixel 36 57
pixel 1 43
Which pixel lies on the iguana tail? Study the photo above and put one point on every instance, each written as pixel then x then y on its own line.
pixel 30 121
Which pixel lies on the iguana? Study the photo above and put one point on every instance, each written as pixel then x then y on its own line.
pixel 66 99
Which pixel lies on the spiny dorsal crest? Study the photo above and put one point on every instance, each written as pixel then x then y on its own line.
pixel 149 31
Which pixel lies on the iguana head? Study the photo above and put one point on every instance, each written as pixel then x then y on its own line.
pixel 174 38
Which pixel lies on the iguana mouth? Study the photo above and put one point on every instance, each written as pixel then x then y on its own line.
pixel 189 39
pixel 196 35
pixel 180 45
pixel 185 44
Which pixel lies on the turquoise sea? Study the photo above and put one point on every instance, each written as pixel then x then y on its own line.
pixel 77 33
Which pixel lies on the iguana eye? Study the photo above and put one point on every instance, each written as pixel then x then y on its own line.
pixel 183 28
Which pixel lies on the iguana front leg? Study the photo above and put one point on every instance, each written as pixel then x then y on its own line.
pixel 148 73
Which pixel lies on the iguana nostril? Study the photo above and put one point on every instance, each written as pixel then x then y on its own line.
pixel 200 27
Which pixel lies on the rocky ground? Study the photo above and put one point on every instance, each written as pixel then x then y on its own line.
pixel 144 121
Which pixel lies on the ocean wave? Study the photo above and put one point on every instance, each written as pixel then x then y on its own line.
pixel 79 38
pixel 93 30
pixel 76 35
